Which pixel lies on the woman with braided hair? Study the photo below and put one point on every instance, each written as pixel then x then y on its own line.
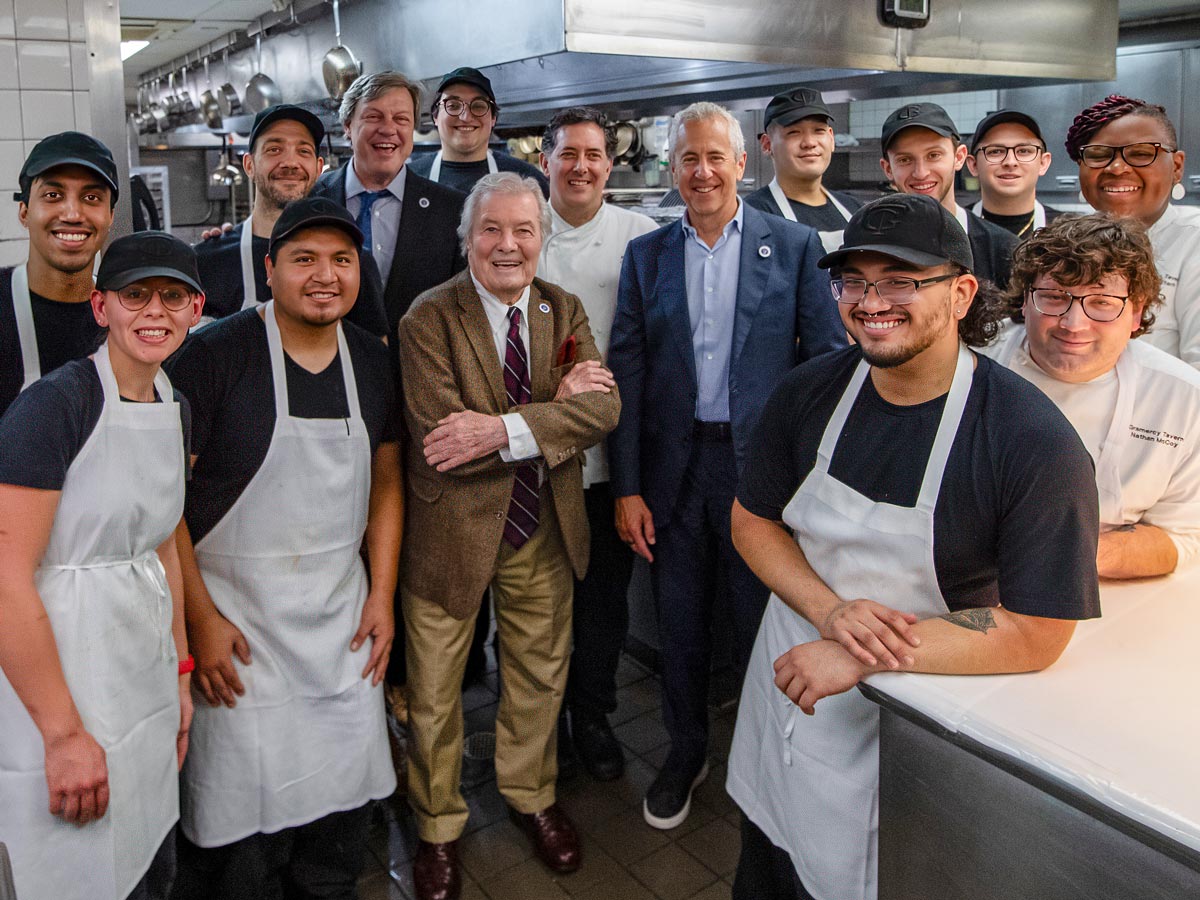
pixel 1130 166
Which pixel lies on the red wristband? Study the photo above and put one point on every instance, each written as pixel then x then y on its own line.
pixel 187 665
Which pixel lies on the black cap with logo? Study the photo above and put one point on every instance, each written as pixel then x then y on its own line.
pixel 467 75
pixel 918 115
pixel 793 105
pixel 913 228
pixel 312 212
pixel 281 111
pixel 68 148
pixel 147 254
pixel 1000 117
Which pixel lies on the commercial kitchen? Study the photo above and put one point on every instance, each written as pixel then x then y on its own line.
pixel 1075 781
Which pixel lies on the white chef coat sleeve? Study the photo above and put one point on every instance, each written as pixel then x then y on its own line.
pixel 1177 512
pixel 1187 307
pixel 521 442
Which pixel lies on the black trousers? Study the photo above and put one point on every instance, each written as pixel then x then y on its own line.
pixel 156 883
pixel 764 871
pixel 601 612
pixel 322 859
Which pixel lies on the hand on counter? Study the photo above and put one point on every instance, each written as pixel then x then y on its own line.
pixel 872 633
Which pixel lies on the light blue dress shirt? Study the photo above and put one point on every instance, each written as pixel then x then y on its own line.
pixel 385 217
pixel 712 282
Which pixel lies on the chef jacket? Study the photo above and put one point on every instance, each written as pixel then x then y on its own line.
pixel 1176 240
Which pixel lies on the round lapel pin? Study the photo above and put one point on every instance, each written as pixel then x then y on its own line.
pixel 544 307
pixel 764 251
pixel 423 203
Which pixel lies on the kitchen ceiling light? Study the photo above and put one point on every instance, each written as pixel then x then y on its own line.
pixel 128 48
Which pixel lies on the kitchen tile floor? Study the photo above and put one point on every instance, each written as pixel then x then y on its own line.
pixel 623 857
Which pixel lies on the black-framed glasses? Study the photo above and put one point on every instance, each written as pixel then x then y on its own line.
pixel 1139 155
pixel 895 290
pixel 479 107
pixel 998 153
pixel 136 296
pixel 1097 307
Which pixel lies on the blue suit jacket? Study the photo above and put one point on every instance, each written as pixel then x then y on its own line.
pixel 785 314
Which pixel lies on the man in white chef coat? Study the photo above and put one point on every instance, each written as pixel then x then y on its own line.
pixel 583 254
pixel 1088 288
pixel 912 506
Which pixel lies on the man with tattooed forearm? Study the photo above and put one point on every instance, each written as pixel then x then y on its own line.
pixel 913 507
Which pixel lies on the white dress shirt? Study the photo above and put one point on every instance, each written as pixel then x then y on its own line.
pixel 385 217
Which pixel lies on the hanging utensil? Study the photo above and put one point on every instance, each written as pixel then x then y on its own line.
pixel 228 101
pixel 186 103
pixel 210 110
pixel 158 114
pixel 339 68
pixel 261 91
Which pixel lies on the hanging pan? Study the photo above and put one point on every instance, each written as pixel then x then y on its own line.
pixel 261 91
pixel 210 111
pixel 228 101
pixel 339 67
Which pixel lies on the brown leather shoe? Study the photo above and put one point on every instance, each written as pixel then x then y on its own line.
pixel 435 871
pixel 553 837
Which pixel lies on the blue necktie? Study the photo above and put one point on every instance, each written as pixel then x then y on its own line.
pixel 363 221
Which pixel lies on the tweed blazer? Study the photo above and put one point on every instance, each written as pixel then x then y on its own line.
pixel 454 521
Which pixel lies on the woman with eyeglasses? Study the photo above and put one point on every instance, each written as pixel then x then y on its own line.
pixel 1130 164
pixel 94 699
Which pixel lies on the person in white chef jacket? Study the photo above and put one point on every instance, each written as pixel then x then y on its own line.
pixel 296 471
pixel 94 668
pixel 583 254
pixel 912 506
pixel 1088 291
pixel 798 136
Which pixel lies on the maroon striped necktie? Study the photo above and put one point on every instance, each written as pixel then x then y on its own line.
pixel 522 516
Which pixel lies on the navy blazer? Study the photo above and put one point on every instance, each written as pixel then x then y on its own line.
pixel 785 314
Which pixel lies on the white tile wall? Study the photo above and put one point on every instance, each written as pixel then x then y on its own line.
pixel 46 112
pixel 11 228
pixel 12 155
pixel 44 65
pixel 10 113
pixel 79 66
pixel 8 64
pixel 966 109
pixel 13 253
pixel 44 20
pixel 8 27
pixel 75 21
pixel 83 111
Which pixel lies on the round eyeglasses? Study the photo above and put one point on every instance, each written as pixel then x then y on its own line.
pixel 1097 307
pixel 998 153
pixel 137 296
pixel 454 107
pixel 1140 155
pixel 894 290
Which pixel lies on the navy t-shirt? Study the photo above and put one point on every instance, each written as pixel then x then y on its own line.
pixel 822 218
pixel 1017 517
pixel 225 372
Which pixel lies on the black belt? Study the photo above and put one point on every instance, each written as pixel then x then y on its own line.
pixel 711 431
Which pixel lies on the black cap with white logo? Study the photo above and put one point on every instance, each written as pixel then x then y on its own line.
pixel 147 254
pixel 281 111
pixel 313 212
pixel 919 115
pixel 913 228
pixel 467 75
pixel 68 148
pixel 1000 117
pixel 793 105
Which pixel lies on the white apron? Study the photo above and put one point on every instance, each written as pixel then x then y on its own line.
pixel 435 170
pixel 106 596
pixel 26 333
pixel 1039 215
pixel 249 285
pixel 1108 466
pixel 830 240
pixel 811 783
pixel 308 737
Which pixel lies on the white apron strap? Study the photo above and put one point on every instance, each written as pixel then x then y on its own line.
pixel 279 373
pixel 435 171
pixel 1039 215
pixel 960 213
pixel 26 334
pixel 108 381
pixel 956 402
pixel 781 200
pixel 249 285
pixel 838 205
pixel 834 429
pixel 492 167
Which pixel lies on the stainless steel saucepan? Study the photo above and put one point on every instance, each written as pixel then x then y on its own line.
pixel 261 91
pixel 339 68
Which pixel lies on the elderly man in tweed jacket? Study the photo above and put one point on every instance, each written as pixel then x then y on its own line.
pixel 504 391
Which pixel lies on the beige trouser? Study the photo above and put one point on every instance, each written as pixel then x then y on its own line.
pixel 531 590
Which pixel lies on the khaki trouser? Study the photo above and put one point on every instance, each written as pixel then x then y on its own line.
pixel 531 590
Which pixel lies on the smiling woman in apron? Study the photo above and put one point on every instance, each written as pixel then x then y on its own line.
pixel 1088 289
pixel 94 704
pixel 798 136
pixel 898 502
pixel 68 191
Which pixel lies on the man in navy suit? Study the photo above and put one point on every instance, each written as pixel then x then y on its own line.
pixel 712 311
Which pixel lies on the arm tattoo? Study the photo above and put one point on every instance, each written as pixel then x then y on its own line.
pixel 980 620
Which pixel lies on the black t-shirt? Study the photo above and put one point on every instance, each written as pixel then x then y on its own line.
pixel 462 175
pixel 219 261
pixel 1017 518
pixel 225 372
pixel 1021 225
pixel 823 218
pixel 46 427
pixel 65 331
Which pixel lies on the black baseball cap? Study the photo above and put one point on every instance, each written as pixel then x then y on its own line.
pixel 918 115
pixel 914 228
pixel 312 212
pixel 1000 117
pixel 68 148
pixel 467 75
pixel 280 111
pixel 793 105
pixel 147 254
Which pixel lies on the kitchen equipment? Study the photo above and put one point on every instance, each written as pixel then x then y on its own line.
pixel 228 101
pixel 158 113
pixel 210 111
pixel 339 68
pixel 187 106
pixel 261 91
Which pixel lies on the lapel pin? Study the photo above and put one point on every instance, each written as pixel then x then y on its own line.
pixel 423 203
pixel 764 251
pixel 544 307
